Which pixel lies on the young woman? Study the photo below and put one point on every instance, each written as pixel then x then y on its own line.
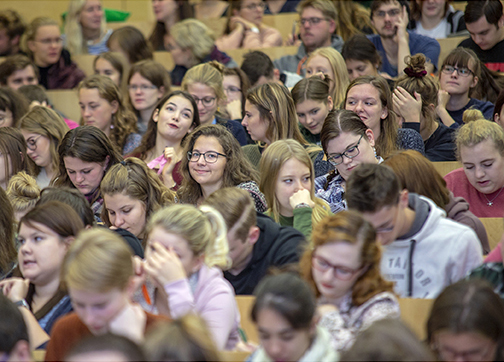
pixel 43 43
pixel 98 272
pixel 347 142
pixel 204 83
pixel 467 322
pixel 371 99
pixel 8 255
pixel 85 28
pixel 329 62
pixel 131 194
pixel 102 106
pixel 130 42
pixel 147 82
pixel 287 183
pixel 284 312
pixel 167 13
pixel 245 28
pixel 23 193
pixel 361 57
pixel 13 156
pixel 343 268
pixel 13 106
pixel 44 235
pixel 435 19
pixel 215 160
pixel 112 65
pixel 186 250
pixel 458 76
pixel 313 103
pixel 43 130
pixel 480 149
pixel 85 155
pixel 210 9
pixel 236 85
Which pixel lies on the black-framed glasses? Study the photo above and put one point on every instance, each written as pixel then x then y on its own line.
pixel 206 101
pixel 31 143
pixel 350 152
pixel 340 272
pixel 311 21
pixel 463 72
pixel 209 156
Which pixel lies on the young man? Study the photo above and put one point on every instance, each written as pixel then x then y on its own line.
pixel 260 70
pixel 12 28
pixel 256 242
pixel 18 70
pixel 317 24
pixel 485 22
pixel 394 42
pixel 423 252
pixel 14 339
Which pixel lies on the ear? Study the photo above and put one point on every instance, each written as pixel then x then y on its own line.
pixel 20 352
pixel 31 45
pixel 332 26
pixel 384 113
pixel 404 199
pixel 330 103
pixel 236 12
pixel 155 116
pixel 497 119
pixel 15 40
pixel 501 21
pixel 68 241
pixel 276 74
pixel 253 235
pixel 370 137
pixel 107 160
pixel 474 82
pixel 115 106
pixel 161 91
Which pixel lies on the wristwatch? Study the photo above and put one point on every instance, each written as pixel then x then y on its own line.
pixel 22 303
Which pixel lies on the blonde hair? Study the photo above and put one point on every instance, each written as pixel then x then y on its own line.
pixel 23 192
pixel 75 42
pixel 194 35
pixel 271 163
pixel 471 115
pixel 31 32
pixel 99 261
pixel 472 133
pixel 352 18
pixel 203 228
pixel 209 74
pixel 340 71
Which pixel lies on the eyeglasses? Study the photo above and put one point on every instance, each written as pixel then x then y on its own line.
pixel 209 157
pixel 31 143
pixel 311 21
pixel 390 13
pixel 340 272
pixel 142 87
pixel 259 6
pixel 232 89
pixel 49 41
pixel 463 72
pixel 206 101
pixel 448 354
pixel 350 152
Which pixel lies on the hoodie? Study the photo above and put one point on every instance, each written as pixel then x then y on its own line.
pixel 438 253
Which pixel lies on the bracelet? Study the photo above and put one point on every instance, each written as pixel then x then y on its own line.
pixel 22 303
pixel 302 205
pixel 254 29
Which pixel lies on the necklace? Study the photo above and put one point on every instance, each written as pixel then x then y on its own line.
pixel 490 202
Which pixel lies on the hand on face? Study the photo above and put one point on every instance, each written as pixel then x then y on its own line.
pixel 130 322
pixel 406 106
pixel 443 98
pixel 401 25
pixel 15 288
pixel 163 265
pixel 301 196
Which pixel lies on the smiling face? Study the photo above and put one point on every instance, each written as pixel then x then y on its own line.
pixel 364 99
pixel 252 10
pixel 175 118
pixel 464 346
pixel 484 34
pixel 206 99
pixel 126 213
pixel 22 77
pixel 104 67
pixel 358 68
pixel 256 126
pixel 312 114
pixel 46 46
pixel 146 98
pixel 292 177
pixel 96 111
pixel 91 15
pixel 85 176
pixel 39 148
pixel 208 175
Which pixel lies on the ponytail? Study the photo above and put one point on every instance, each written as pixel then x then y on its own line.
pixel 217 249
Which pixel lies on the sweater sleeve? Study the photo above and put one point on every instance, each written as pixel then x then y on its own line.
pixel 303 220
pixel 268 37
pixel 466 256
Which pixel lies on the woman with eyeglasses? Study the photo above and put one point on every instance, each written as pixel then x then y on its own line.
pixel 343 268
pixel 236 85
pixel 245 29
pixel 43 43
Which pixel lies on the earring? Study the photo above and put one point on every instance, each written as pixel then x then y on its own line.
pixel 374 150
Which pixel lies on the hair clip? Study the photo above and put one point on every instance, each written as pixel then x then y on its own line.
pixel 411 73
pixel 123 163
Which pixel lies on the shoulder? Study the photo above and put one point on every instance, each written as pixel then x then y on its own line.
pixel 455 175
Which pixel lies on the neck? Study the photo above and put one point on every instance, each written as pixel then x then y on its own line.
pixel 3 185
pixel 171 20
pixel 409 218
pixel 429 23
pixel 40 63
pixel 47 291
pixel 327 43
pixel 49 171
pixel 391 49
pixel 457 101
pixel 275 5
pixel 208 190
pixel 162 143
pixel 146 114
pixel 91 34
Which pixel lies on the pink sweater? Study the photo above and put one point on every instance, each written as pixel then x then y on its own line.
pixel 267 37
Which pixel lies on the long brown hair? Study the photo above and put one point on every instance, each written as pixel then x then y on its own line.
pixel 8 252
pixel 12 143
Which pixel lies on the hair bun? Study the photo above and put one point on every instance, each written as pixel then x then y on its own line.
pixel 415 66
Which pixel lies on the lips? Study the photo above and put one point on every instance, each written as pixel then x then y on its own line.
pixel 28 263
pixel 483 183
pixel 173 125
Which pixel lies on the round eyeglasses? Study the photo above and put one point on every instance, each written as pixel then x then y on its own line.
pixel 209 157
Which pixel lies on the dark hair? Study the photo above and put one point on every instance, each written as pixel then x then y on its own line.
pixel 8 252
pixel 14 63
pixel 34 92
pixel 71 197
pixel 185 11
pixel 108 343
pixel 132 42
pixel 12 143
pixel 13 101
pixel 490 9
pixel 359 47
pixel 256 64
pixel 499 103
pixel 12 22
pixel 311 88
pixel 244 82
pixel 375 5
pixel 12 325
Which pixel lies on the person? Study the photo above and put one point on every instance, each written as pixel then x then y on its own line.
pixel 287 181
pixel 480 149
pixel 43 43
pixel 112 65
pixel 186 250
pixel 274 7
pixel 86 28
pixel 13 156
pixel 131 194
pixel 467 321
pixel 370 97
pixel 191 43
pixel 490 84
pixel 168 13
pixel 13 106
pixel 98 269
pixel 347 142
pixel 214 160
pixel 415 100
pixel 329 62
pixel 130 42
pixel 418 175
pixel 85 155
pixel 412 230
pixel 12 28
pixel 245 27
pixel 255 241
pixel 18 70
pixel 23 193
pixel 102 106
pixel 437 19
pixel 318 22
pixel 147 81
pixel 343 268
pixel 394 42
pixel 110 347
pixel 285 305
pixel 44 235
pixel 236 85
pixel 8 254
pixel 210 9
pixel 484 21
pixel 361 57
pixel 14 337
pixel 459 75
pixel 43 130
pixel 204 83
pixel 353 19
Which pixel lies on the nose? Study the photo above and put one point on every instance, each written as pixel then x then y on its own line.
pixel 85 112
pixel 358 107
pixel 201 107
pixel 176 116
pixel 138 90
pixel 479 173
pixel 274 349
pixel 78 177
pixel 88 317
pixel 346 160
pixel 118 221
pixel 309 120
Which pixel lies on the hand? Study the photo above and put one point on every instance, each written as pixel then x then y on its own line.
pixel 235 22
pixel 164 266
pixel 171 161
pixel 130 323
pixel 234 109
pixel 15 288
pixel 300 197
pixel 443 98
pixel 292 39
pixel 246 24
pixel 401 25
pixel 406 106
pixel 139 272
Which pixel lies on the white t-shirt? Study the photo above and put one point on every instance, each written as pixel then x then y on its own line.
pixel 440 31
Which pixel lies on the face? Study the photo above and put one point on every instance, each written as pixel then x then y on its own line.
pixel 163 9
pixel 180 56
pixel 320 64
pixel 364 99
pixel 143 94
pixel 464 346
pixel 346 142
pixel 432 8
pixel 232 88
pixel 315 35
pixel 292 177
pixel 484 34
pixel 385 19
pixel 104 67
pixel 252 10
pixel 6 118
pixel 5 43
pixel 47 45
pixel 256 126
pixel 97 310
pixel 91 15
pixel 312 114
pixel 240 251
pixel 39 148
pixel 455 84
pixel 4 177
pixel 279 339
pixel 22 77
pixel 96 111
pixel 41 253
pixel 204 173
pixel 206 99
pixel 126 213
pixel 175 118
pixel 85 176
pixel 358 68
pixel 483 166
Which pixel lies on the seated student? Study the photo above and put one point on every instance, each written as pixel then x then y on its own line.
pixel 112 65
pixel 14 336
pixel 167 14
pixel 210 9
pixel 459 74
pixel 12 28
pixel 236 85
pixel 343 268
pixel 423 251
pixel 98 270
pixel 467 321
pixel 255 241
pixel 8 254
pixel 18 70
pixel 353 18
pixel 274 7
pixel 437 19
pixel 287 177
pixel 13 156
pixel 480 149
pixel 285 307
pixel 492 270
pixel 13 106
pixel 108 347
pixel 130 42
pixel 23 193
pixel 498 114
